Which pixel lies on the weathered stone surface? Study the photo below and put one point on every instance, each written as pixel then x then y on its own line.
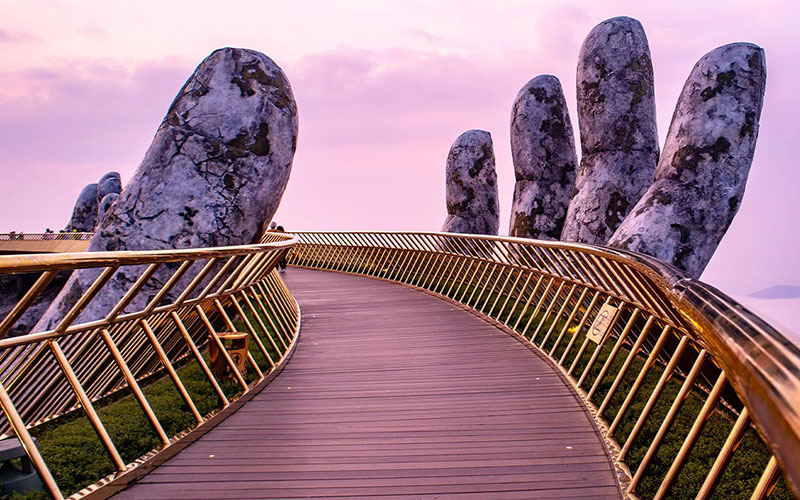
pixel 88 208
pixel 105 204
pixel 543 151
pixel 14 286
pixel 84 214
pixel 617 121
pixel 82 220
pixel 701 176
pixel 109 183
pixel 471 184
pixel 213 176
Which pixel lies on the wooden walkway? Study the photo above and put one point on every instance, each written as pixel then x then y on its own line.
pixel 394 394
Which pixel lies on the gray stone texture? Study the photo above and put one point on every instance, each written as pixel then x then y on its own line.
pixel 84 214
pixel 471 185
pixel 12 289
pixel 109 183
pixel 213 175
pixel 617 121
pixel 105 204
pixel 700 180
pixel 543 152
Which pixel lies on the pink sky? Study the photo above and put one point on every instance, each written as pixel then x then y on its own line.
pixel 383 89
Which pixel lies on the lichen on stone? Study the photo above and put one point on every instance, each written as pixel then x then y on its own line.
pixel 543 152
pixel 701 176
pixel 617 122
pixel 471 185
pixel 213 175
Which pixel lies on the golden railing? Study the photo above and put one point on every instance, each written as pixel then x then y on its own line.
pixel 44 242
pixel 73 236
pixel 179 302
pixel 673 339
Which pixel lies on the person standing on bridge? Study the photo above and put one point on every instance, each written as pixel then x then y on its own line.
pixel 275 228
pixel 282 263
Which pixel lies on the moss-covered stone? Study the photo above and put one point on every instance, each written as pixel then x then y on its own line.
pixel 617 119
pixel 471 185
pixel 701 176
pixel 213 176
pixel 543 152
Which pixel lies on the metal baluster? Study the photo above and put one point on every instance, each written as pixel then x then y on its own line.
pixel 651 359
pixel 252 330
pixel 214 337
pixel 171 370
pixel 575 309
pixel 586 313
pixel 617 346
pixel 651 401
pixel 531 297
pixel 665 424
pixel 548 311
pixel 274 311
pixel 767 481
pixel 691 438
pixel 232 327
pixel 538 306
pixel 585 343
pixel 26 440
pixel 560 312
pixel 134 386
pixel 519 295
pixel 517 276
pixel 628 361
pixel 264 328
pixel 87 406
pixel 199 357
pixel 734 438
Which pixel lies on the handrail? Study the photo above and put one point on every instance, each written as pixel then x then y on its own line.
pixel 552 293
pixel 44 242
pixel 73 236
pixel 176 301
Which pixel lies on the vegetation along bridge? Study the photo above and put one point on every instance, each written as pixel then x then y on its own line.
pixel 396 365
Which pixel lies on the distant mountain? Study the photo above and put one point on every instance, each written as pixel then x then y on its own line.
pixel 777 292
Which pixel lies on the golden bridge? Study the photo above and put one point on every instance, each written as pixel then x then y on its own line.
pixel 15 243
pixel 397 365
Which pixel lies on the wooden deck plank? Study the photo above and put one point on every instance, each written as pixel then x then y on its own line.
pixel 394 394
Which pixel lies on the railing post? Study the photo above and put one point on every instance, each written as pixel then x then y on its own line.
pixel 548 311
pixel 224 352
pixel 232 328
pixel 252 331
pixel 257 315
pixel 688 443
pixel 170 369
pixel 199 358
pixel 26 440
pixel 688 383
pixel 134 386
pixel 88 408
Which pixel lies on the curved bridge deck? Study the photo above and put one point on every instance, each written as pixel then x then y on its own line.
pixel 391 394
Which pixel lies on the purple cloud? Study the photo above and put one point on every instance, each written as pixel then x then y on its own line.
pixel 8 37
pixel 375 128
pixel 62 128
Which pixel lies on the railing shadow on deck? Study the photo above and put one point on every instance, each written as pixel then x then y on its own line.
pixel 695 395
pixel 175 305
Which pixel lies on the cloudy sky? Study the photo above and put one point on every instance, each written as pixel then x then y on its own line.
pixel 383 89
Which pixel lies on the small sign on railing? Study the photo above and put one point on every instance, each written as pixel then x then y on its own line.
pixel 602 323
